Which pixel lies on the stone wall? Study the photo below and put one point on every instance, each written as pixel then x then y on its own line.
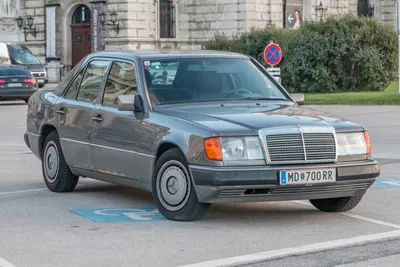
pixel 35 8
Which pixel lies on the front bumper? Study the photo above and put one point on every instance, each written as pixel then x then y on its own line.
pixel 253 184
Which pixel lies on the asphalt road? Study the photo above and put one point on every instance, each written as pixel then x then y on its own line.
pixel 41 228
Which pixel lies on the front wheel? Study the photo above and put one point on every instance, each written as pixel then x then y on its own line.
pixel 341 204
pixel 56 173
pixel 173 191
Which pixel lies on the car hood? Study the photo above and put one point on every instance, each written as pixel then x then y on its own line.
pixel 247 119
pixel 35 68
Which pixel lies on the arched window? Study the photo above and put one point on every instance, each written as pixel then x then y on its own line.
pixel 81 15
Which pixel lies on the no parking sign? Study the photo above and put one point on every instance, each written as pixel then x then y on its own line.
pixel 273 54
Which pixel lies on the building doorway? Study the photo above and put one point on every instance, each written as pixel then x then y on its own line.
pixel 81 33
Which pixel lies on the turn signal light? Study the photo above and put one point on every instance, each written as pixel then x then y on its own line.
pixel 367 142
pixel 2 81
pixel 212 147
pixel 30 80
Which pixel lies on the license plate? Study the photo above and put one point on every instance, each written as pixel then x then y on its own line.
pixel 14 84
pixel 307 176
pixel 40 80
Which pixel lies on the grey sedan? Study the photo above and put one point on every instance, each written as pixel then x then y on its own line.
pixel 221 129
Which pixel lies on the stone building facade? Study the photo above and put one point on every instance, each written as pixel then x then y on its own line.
pixel 66 30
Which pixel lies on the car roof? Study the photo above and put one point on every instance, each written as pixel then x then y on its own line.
pixel 168 54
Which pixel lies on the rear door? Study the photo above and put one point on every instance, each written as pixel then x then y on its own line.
pixel 75 113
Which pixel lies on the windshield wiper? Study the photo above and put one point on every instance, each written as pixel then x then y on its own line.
pixel 266 98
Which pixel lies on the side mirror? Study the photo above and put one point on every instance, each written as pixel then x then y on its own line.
pixel 298 98
pixel 130 103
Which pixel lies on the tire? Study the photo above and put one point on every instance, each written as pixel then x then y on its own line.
pixel 173 190
pixel 26 100
pixel 342 204
pixel 56 173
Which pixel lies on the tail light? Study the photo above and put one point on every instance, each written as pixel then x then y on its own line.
pixel 30 80
pixel 2 81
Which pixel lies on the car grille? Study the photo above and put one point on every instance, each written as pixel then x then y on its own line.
pixel 38 75
pixel 306 147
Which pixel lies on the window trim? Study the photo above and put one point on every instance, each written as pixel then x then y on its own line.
pixel 101 100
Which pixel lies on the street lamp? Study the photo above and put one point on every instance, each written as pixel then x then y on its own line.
pixel 321 11
pixel 29 22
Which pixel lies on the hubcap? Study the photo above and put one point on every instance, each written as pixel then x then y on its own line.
pixel 173 185
pixel 51 160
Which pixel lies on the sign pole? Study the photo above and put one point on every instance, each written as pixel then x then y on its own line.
pixel 398 33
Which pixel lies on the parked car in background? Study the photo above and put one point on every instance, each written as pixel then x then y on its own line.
pixel 16 54
pixel 223 130
pixel 16 83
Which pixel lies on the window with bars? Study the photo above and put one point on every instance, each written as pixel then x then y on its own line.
pixel 167 19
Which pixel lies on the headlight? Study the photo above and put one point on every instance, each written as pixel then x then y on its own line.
pixel 233 148
pixel 353 144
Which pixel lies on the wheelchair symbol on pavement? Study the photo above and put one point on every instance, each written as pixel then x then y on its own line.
pixel 120 215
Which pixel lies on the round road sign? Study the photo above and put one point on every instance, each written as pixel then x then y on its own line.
pixel 273 54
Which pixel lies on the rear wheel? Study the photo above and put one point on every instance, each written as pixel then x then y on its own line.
pixel 26 100
pixel 173 191
pixel 56 173
pixel 341 204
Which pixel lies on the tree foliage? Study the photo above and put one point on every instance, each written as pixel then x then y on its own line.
pixel 337 55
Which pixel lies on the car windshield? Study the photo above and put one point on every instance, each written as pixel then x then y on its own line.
pixel 190 80
pixel 24 58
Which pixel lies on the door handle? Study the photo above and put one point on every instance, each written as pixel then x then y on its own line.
pixel 98 118
pixel 60 111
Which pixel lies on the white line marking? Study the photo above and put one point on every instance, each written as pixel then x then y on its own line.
pixel 354 216
pixel 386 156
pixel 374 262
pixel 21 192
pixel 285 252
pixel 21 144
pixel 17 153
pixel 361 218
pixel 4 263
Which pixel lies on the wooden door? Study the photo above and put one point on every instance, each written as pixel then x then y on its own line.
pixel 81 42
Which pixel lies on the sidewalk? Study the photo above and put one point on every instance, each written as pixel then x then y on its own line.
pixel 391 261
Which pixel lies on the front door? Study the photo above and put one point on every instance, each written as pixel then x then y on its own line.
pixel 81 42
pixel 115 141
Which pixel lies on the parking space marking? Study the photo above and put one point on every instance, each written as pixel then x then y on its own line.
pixel 387 183
pixel 294 251
pixel 106 215
pixel 4 263
pixel 21 192
pixel 355 216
